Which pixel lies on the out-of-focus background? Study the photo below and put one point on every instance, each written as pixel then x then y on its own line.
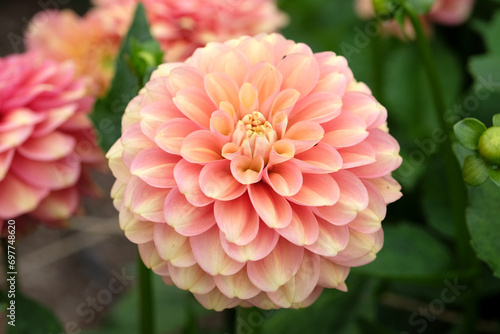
pixel 67 270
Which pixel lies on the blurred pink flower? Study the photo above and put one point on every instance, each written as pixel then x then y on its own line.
pixel 47 142
pixel 255 173
pixel 445 12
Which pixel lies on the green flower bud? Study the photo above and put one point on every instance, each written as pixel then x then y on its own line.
pixel 489 145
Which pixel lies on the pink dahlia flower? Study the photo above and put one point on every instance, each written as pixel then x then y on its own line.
pixel 255 173
pixel 47 143
pixel 445 12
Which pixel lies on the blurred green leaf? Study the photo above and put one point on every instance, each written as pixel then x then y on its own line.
pixel 108 111
pixel 409 252
pixel 486 68
pixel 33 318
pixel 491 33
pixel 468 132
pixel 496 120
pixel 475 171
pixel 495 176
pixel 421 6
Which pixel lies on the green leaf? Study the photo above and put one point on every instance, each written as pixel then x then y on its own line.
pixel 483 221
pixel 475 171
pixel 468 132
pixel 496 120
pixel 486 70
pixel 491 33
pixel 495 176
pixel 421 6
pixel 33 318
pixel 409 252
pixel 128 79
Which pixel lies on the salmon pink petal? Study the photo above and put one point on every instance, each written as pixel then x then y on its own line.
pixel 182 77
pixel 283 102
pixel 5 161
pixel 10 203
pixel 237 219
pixel 300 72
pixel 237 285
pixel 357 155
pixel 155 167
pixel 257 249
pixel 361 249
pixel 273 209
pixel 134 141
pixel 256 50
pixel 285 178
pixel 304 228
pixel 318 107
pixel 248 99
pixel 14 137
pixel 216 181
pixel 195 104
pixel 54 118
pixel 388 187
pixel 149 255
pixel 247 170
pixel 331 239
pixel 263 302
pixel 216 300
pixel 309 300
pixel 210 255
pixel 370 219
pixel 172 247
pixel 366 107
pixel 154 115
pixel 320 159
pixel 171 134
pixel 266 78
pixel 145 200
pixel 137 231
pixel 233 63
pixel 20 118
pixel 222 123
pixel 185 218
pixel 304 135
pixel 201 147
pixel 300 285
pixel 118 168
pixel 191 278
pixel 345 130
pixel 187 177
pixel 281 151
pixel 317 190
pixel 221 87
pixel 58 205
pixel 277 268
pixel 332 275
pixel 52 175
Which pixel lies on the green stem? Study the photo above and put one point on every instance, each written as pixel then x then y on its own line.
pixel 248 320
pixel 146 315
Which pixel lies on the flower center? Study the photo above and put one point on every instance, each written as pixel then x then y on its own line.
pixel 254 135
pixel 256 125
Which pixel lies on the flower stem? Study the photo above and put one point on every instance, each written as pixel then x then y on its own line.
pixel 248 320
pixel 146 315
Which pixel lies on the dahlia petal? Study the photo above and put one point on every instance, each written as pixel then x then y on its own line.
pixel 117 192
pixel 222 123
pixel 304 135
pixel 11 204
pixel 149 255
pixel 304 228
pixel 221 87
pixel 132 114
pixel 277 268
pixel 273 209
pixel 134 141
pixel 369 220
pixel 317 107
pixel 237 219
pixel 300 285
pixel 281 151
pixel 191 278
pixel 216 300
pixel 57 205
pixel 284 178
pixel 210 255
pixel 156 88
pixel 115 162
pixel 247 170
pixel 5 162
pixel 237 285
pixel 155 167
pixel 201 146
pixel 145 200
pixel 248 98
pixel 320 159
pixel 331 239
pixel 185 218
pixel 361 249
pixel 309 300
pixel 357 155
pixel 388 187
pixel 162 270
pixel 12 138
pixel 172 246
pixel 195 104
pixel 366 107
pixel 137 231
pixel 52 175
pixel 257 249
pixel 155 114
pixel 283 102
pixel 263 302
pixel 300 72
pixel 216 181
pixel 187 177
pixel 317 190
pixel 54 118
pixel 257 50
pixel 170 135
pixel 345 130
pixel 184 77
pixel 233 63
pixel 332 275
pixel 331 81
pixel 266 78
